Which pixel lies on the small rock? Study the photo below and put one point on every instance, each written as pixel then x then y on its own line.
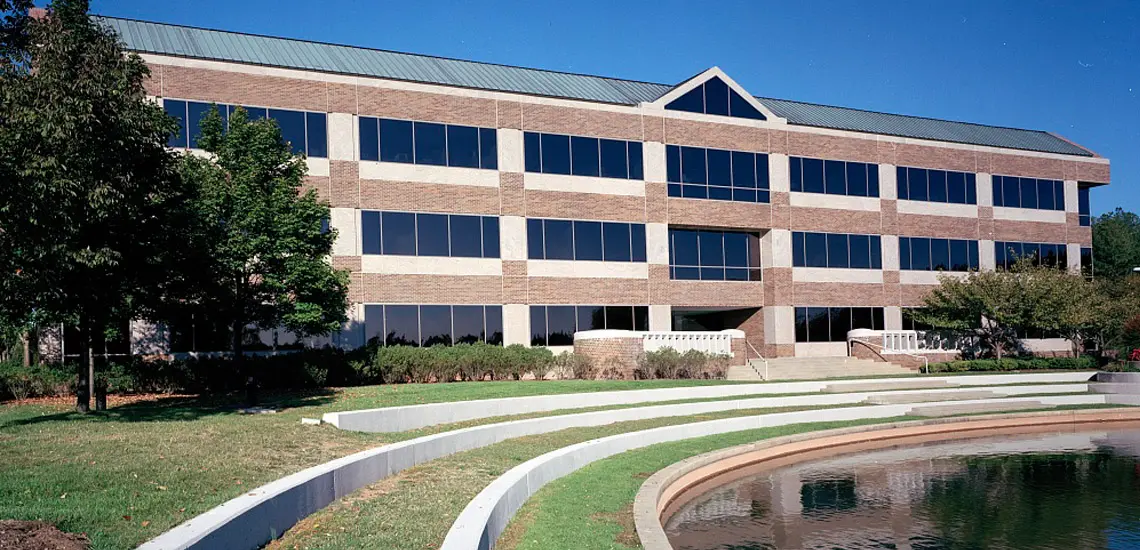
pixel 311 421
pixel 257 410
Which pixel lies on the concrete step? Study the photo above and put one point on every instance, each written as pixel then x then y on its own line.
pixel 953 409
pixel 898 399
pixel 888 386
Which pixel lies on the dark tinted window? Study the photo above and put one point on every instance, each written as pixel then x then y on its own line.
pixel 292 124
pixel 398 232
pixel 196 111
pixel 176 109
pixel 937 185
pixel 693 169
pixel 834 177
pixel 1083 206
pixel 860 246
pixel 716 174
pixel 468 325
pixel 431 143
pixel 411 234
pixel 559 236
pixel 369 139
pixel 435 325
pixel 837 251
pixel 561 322
pixel 370 232
pixel 316 125
pixel 584 156
pixel 796 173
pixel 466 238
pixel 588 241
pixel 615 159
pixel 463 146
pixel 402 325
pixel 488 149
pixel 555 154
pixel 714 97
pixel 490 237
pixel 636 166
pixel 535 242
pixel 813 176
pixel 939 254
pixel 592 241
pixel 432 235
pixel 714 255
pixel 537 325
pixel 396 141
pixel 815 245
pixel 926 254
pixel 555 325
pixel 533 152
pixel 616 242
pixel 921 184
pixel 918 184
pixel 831 324
pixel 1029 193
pixel 1046 254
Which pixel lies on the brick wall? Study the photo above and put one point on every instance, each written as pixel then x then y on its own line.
pixel 611 353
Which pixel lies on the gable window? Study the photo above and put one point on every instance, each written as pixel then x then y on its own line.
pixel 715 97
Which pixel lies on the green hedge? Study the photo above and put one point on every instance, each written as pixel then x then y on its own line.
pixel 1017 364
pixel 669 363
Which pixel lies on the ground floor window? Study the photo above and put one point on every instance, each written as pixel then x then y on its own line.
pixel 429 325
pixel 115 341
pixel 556 325
pixel 830 324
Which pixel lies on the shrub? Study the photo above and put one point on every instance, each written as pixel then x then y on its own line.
pixel 574 365
pixel 1083 362
pixel 668 363
pixel 20 382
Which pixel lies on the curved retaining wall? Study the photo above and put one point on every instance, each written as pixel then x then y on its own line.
pixel 662 488
pixel 263 514
pixel 485 517
pixel 411 417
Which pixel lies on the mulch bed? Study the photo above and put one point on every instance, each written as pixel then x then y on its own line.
pixel 38 535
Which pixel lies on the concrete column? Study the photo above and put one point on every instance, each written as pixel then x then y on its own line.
pixel 512 238
pixel 343 139
pixel 1072 198
pixel 660 317
pixel 890 251
pixel 986 256
pixel 510 143
pixel 149 338
pixel 779 325
pixel 779 177
pixel 1073 256
pixel 892 318
pixel 985 190
pixel 516 324
pixel 346 221
pixel 888 182
pixel 657 243
pixel 654 158
pixel 776 248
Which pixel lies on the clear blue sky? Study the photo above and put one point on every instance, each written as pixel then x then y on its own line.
pixel 1072 68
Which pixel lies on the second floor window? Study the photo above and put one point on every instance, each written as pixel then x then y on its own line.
pixel 699 173
pixel 714 255
pixel 1015 192
pixel 927 254
pixel 834 177
pixel 430 143
pixel 1040 254
pixel 549 239
pixel 582 156
pixel 921 184
pixel 306 132
pixel 1083 207
pixel 423 234
pixel 836 250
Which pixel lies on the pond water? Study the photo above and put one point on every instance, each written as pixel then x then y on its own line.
pixel 1064 490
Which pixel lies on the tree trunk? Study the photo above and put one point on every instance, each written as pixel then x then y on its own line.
pixel 27 349
pixel 82 388
pixel 242 365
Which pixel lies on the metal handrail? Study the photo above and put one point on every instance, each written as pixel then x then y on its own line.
pixel 758 356
pixel 882 348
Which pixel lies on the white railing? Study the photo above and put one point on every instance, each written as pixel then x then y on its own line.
pixel 900 341
pixel 682 341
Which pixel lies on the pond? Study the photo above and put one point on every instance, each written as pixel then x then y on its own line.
pixel 1063 490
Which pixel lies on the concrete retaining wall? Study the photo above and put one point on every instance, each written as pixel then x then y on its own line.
pixel 399 419
pixel 487 515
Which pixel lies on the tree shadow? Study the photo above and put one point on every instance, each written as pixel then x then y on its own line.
pixel 186 408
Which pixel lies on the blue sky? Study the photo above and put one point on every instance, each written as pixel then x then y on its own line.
pixel 1072 68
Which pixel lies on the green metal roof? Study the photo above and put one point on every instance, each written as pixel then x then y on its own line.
pixel 181 41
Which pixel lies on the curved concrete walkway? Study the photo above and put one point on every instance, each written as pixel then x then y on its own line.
pixel 658 494
pixel 265 513
pixel 411 417
pixel 487 515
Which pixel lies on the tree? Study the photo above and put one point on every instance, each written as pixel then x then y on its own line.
pixel 262 242
pixel 1115 302
pixel 14 31
pixel 88 181
pixel 1116 243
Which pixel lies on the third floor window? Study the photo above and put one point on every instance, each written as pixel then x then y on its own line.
pixel 430 143
pixel 834 177
pixel 582 156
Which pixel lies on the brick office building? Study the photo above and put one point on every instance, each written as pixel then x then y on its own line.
pixel 477 201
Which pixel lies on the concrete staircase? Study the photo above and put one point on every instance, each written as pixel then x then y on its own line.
pixel 815 368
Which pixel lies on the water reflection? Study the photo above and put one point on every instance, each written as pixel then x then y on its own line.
pixel 1064 490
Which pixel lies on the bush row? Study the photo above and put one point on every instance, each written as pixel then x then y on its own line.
pixel 671 364
pixel 1016 364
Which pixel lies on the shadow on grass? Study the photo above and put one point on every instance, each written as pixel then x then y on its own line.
pixel 174 409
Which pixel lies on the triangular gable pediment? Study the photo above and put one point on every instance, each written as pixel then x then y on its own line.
pixel 714 92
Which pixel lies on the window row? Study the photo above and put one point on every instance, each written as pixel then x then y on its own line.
pixel 429 325
pixel 556 325
pixel 699 173
pixel 836 250
pixel 1041 254
pixel 419 234
pixel 834 177
pixel 715 97
pixel 1015 192
pixel 1083 207
pixel 431 143
pixel 921 184
pixel 831 324
pixel 927 254
pixel 585 240
pixel 1087 261
pixel 306 132
pixel 582 156
pixel 714 255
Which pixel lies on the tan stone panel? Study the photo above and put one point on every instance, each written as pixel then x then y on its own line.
pixel 1082 235
pixel 581 122
pixel 889 210
pixel 447 108
pixel 887 152
pixel 350 263
pixel 950 227
pixel 838 294
pixel 514 282
pixel 153 83
pixel 510 114
pixel 830 220
pixel 714 135
pixel 778 141
pixel 1034 167
pixel 722 214
pixel 320 184
pixel 244 89
pixel 654 128
pixel 913 295
pixel 344 184
pixel 599 291
pixel 342 98
pixel 656 202
pixel 941 158
pixel 429 197
pixel 513 198
pixel 890 277
pixel 778 286
pixel 781 209
pixel 823 146
pixel 1093 172
pixel 584 206
pixel 431 289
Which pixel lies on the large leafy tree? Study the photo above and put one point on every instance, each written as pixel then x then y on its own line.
pixel 263 244
pixel 88 181
pixel 1116 243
